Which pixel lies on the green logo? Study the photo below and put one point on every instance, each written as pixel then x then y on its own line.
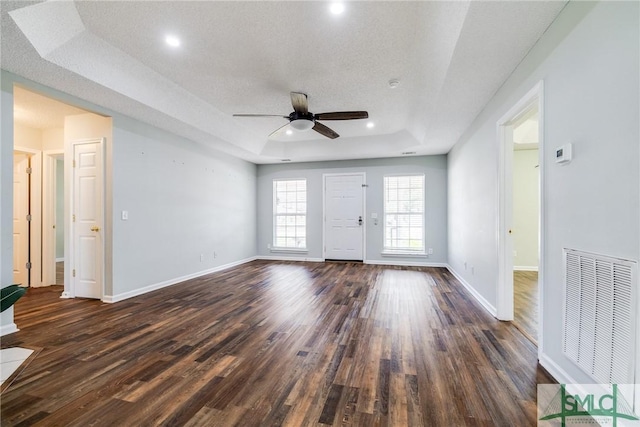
pixel 590 407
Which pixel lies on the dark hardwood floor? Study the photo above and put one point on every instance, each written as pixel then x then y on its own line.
pixel 525 302
pixel 275 343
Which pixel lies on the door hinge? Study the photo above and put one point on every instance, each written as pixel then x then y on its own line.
pixel 74 163
pixel 29 170
pixel 29 217
pixel 73 217
pixel 28 266
pixel 365 185
pixel 73 272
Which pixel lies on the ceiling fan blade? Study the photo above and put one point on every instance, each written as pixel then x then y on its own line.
pixel 299 102
pixel 279 130
pixel 260 115
pixel 329 133
pixel 343 115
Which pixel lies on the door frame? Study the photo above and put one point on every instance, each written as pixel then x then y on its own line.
pixel 35 201
pixel 49 189
pixel 69 232
pixel 504 303
pixel 364 210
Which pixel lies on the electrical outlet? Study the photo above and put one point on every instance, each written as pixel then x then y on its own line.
pixel 430 251
pixel 201 257
pixel 268 245
pixel 215 255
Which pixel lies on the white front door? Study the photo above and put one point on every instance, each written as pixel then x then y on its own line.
pixel 20 222
pixel 87 219
pixel 344 216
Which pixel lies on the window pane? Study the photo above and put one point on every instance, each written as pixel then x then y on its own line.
pixel 289 210
pixel 404 212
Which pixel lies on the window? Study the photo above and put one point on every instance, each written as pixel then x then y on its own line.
pixel 404 213
pixel 290 214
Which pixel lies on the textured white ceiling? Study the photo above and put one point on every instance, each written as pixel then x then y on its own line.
pixel 245 57
pixel 40 112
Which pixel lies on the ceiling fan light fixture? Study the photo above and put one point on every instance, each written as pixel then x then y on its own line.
pixel 172 40
pixel 337 8
pixel 302 124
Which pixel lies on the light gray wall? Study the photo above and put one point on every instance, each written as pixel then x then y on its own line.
pixel 588 60
pixel 6 190
pixel 59 208
pixel 433 167
pixel 183 202
pixel 526 208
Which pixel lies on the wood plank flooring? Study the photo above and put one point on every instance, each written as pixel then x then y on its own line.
pixel 525 302
pixel 271 344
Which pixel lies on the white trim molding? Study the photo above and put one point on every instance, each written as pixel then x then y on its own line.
pixel 7 329
pixel 554 370
pixel 137 292
pixel 288 258
pixel 405 263
pixel 525 268
pixel 486 304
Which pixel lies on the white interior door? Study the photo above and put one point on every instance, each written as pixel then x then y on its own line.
pixel 20 222
pixel 344 217
pixel 87 219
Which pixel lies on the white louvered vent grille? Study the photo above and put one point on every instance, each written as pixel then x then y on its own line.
pixel 599 332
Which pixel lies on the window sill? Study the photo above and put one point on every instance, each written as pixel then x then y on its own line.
pixel 404 254
pixel 290 250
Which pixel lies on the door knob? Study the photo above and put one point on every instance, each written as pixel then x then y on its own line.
pixel 360 220
pixel 95 228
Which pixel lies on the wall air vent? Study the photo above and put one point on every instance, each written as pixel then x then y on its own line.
pixel 599 317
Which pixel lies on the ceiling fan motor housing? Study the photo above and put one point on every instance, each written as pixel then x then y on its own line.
pixel 301 121
pixel 301 116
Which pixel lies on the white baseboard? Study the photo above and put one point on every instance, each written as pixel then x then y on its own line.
pixel 525 268
pixel 8 329
pixel 59 259
pixel 288 258
pixel 136 292
pixel 404 263
pixel 556 371
pixel 486 304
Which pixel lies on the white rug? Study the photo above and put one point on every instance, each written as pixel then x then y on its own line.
pixel 11 359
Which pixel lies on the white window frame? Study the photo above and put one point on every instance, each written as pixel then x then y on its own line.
pixel 276 215
pixel 388 250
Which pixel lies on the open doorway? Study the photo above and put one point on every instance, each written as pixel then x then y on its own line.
pixel 39 140
pixel 59 220
pixel 526 220
pixel 520 176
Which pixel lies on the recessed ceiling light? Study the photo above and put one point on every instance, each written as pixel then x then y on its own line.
pixel 370 125
pixel 337 8
pixel 172 41
pixel 289 132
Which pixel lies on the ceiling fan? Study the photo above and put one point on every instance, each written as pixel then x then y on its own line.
pixel 301 119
